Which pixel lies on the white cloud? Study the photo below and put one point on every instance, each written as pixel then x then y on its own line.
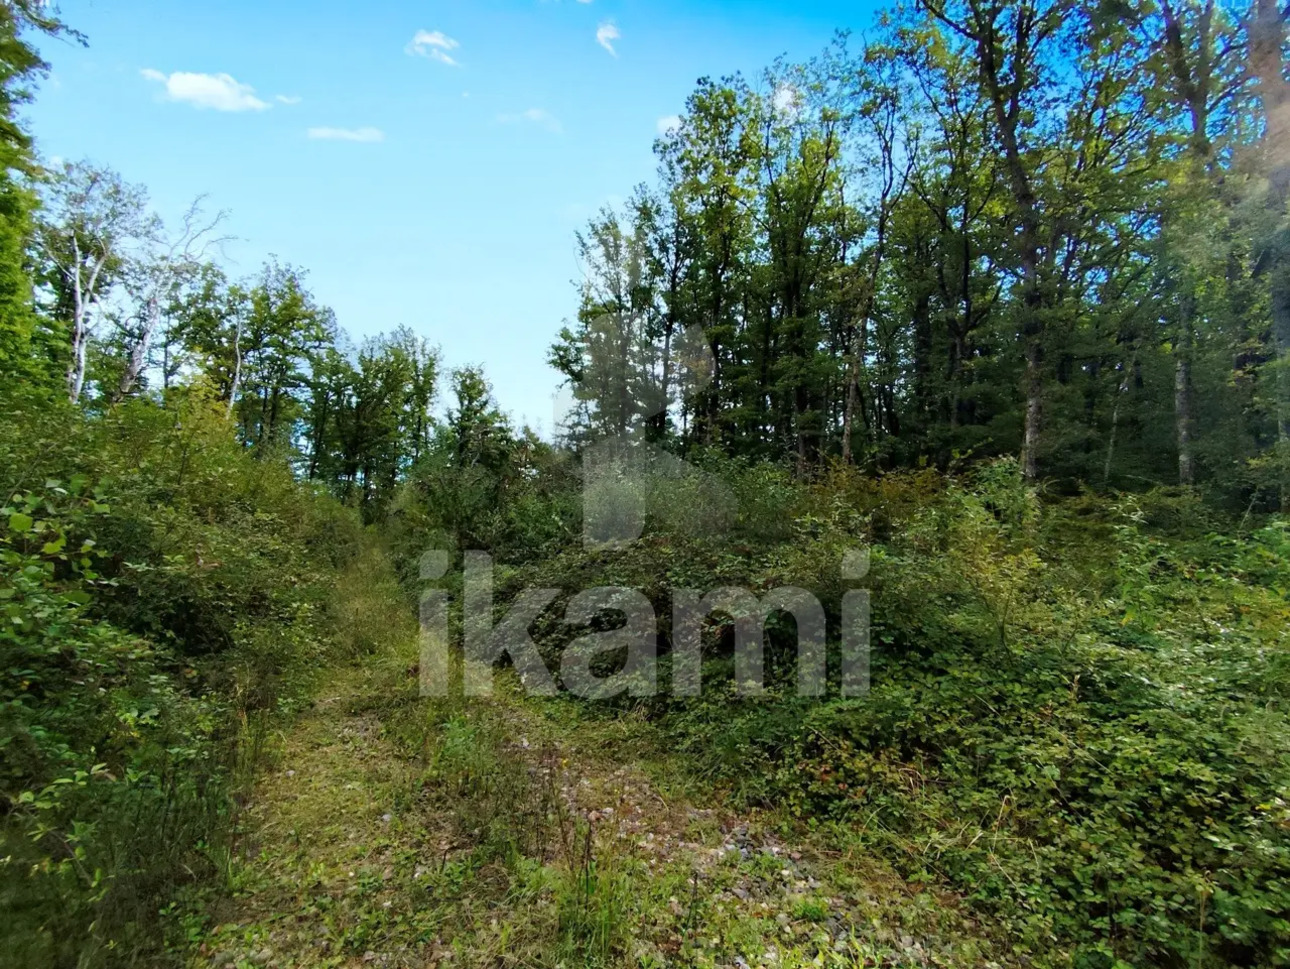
pixel 218 91
pixel 606 34
pixel 288 98
pixel 538 116
pixel 347 134
pixel 434 44
pixel 668 123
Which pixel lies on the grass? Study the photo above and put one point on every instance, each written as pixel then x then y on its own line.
pixel 391 830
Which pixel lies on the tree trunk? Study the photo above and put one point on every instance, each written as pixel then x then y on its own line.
pixel 1005 104
pixel 138 358
pixel 1034 412
pixel 1121 390
pixel 76 371
pixel 1182 393
pixel 319 435
pixel 923 354
pixel 235 383
pixel 1280 307
pixel 853 386
pixel 1267 62
pixel 659 420
pixel 80 325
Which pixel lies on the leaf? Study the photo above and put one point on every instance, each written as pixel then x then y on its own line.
pixel 20 523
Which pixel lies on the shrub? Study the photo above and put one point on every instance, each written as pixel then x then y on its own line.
pixel 162 593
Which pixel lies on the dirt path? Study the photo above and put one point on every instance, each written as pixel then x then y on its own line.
pixel 393 831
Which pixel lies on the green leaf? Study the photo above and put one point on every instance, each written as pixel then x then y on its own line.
pixel 20 523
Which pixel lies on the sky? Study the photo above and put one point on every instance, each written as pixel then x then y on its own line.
pixel 427 163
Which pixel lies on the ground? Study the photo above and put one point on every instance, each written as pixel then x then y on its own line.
pixel 390 830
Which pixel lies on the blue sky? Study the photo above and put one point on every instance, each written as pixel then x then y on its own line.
pixel 428 163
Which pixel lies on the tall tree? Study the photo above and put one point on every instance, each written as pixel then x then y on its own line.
pixel 1012 45
pixel 1268 64
pixel 152 281
pixel 20 67
pixel 1196 64
pixel 93 223
pixel 285 328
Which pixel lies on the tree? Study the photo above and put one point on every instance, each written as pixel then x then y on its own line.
pixel 152 281
pixel 1268 65
pixel 274 349
pixel 210 321
pixel 92 225
pixel 711 157
pixel 800 141
pixel 885 174
pixel 1011 43
pixel 20 66
pixel 479 430
pixel 368 418
pixel 1194 70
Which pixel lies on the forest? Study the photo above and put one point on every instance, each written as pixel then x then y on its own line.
pixel 998 292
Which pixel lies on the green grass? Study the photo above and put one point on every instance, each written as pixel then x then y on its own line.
pixel 404 832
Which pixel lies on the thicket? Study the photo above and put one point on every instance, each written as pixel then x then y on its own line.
pixel 1077 714
pixel 165 595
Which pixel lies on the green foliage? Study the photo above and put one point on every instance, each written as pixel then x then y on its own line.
pixel 283 327
pixel 162 594
pixel 369 422
pixel 1037 227
pixel 480 485
pixel 20 65
pixel 988 230
pixel 1077 714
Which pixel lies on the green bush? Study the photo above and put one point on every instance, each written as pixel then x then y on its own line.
pixel 162 593
pixel 1077 717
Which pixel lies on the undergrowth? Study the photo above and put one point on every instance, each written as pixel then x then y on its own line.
pixel 1077 720
pixel 166 598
